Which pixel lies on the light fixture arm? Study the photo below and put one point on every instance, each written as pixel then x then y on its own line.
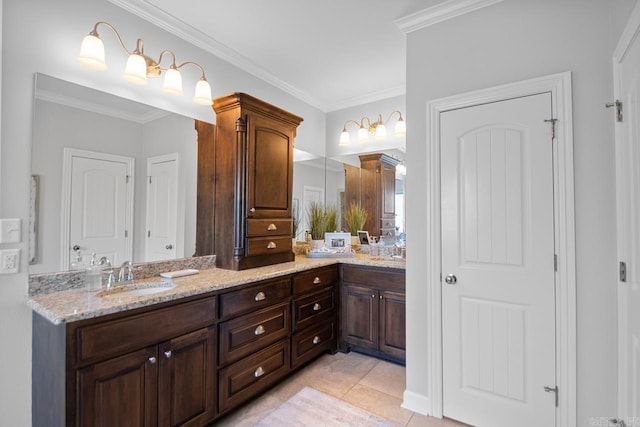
pixel 390 116
pixel 195 64
pixel 94 32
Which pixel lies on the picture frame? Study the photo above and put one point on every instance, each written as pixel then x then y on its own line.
pixel 363 237
pixel 338 241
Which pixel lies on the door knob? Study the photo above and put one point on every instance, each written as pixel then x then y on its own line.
pixel 169 247
pixel 451 279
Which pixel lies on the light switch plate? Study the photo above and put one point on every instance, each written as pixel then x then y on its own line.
pixel 10 230
pixel 9 261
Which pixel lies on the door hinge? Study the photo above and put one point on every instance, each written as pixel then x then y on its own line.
pixel 126 233
pixel 623 271
pixel 618 422
pixel 440 277
pixel 555 262
pixel 148 233
pixel 149 179
pixel 553 127
pixel 126 179
pixel 618 106
pixel 552 390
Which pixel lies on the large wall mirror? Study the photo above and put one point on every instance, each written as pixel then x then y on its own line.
pixel 112 177
pixel 107 169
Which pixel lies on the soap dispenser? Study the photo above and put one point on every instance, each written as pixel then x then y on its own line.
pixel 93 275
pixel 78 263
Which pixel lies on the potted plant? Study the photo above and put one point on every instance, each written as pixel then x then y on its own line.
pixel 355 216
pixel 331 219
pixel 317 224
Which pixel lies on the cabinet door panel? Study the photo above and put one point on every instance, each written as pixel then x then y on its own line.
pixel 360 316
pixel 187 379
pixel 270 171
pixel 120 391
pixel 392 324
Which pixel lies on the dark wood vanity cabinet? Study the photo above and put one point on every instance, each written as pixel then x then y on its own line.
pixel 252 177
pixel 378 189
pixel 373 310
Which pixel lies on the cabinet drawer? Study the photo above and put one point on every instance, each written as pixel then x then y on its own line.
pixel 106 339
pixel 313 308
pixel 385 278
pixel 253 374
pixel 268 245
pixel 246 334
pixel 315 279
pixel 309 343
pixel 254 298
pixel 268 227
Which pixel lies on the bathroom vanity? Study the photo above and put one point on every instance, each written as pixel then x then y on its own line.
pixel 191 354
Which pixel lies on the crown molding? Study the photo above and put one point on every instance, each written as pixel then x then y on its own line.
pixel 179 28
pixel 439 13
pixel 72 102
pixel 368 98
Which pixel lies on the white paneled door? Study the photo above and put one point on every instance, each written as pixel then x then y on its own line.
pixel 627 71
pixel 162 207
pixel 498 284
pixel 99 207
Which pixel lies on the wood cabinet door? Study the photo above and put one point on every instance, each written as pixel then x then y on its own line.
pixel 360 316
pixel 270 168
pixel 120 391
pixel 186 381
pixel 392 339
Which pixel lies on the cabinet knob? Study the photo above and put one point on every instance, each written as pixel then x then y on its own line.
pixel 373 296
pixel 380 297
pixel 259 330
pixel 317 281
pixel 272 227
pixel 316 306
pixel 316 340
pixel 258 372
pixel 167 354
pixel 260 296
pixel 252 210
pixel 152 360
pixel 271 245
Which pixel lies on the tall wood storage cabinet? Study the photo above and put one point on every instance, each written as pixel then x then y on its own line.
pixel 253 181
pixel 377 189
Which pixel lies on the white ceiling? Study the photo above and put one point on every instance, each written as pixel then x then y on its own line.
pixel 331 53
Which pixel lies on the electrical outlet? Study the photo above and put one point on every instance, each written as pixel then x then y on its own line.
pixel 9 261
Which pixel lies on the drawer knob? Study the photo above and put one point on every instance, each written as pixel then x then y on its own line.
pixel 316 340
pixel 271 245
pixel 259 330
pixel 317 281
pixel 260 296
pixel 252 210
pixel 258 372
pixel 316 306
pixel 167 354
pixel 272 227
pixel 152 360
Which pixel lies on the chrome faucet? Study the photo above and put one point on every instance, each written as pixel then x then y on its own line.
pixel 126 273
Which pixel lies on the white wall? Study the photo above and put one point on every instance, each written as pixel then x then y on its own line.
pixel 44 36
pixel 511 41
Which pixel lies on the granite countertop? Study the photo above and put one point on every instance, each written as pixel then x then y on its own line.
pixel 77 304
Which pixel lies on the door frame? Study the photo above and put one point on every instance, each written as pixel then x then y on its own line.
pixel 629 36
pixel 564 235
pixel 65 227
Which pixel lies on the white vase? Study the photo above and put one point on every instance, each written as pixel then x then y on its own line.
pixel 317 244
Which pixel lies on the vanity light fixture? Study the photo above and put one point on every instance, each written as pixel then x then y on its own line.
pixel 377 128
pixel 140 66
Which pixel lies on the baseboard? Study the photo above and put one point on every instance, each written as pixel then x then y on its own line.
pixel 416 402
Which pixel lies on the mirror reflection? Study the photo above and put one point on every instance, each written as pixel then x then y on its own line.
pixel 116 178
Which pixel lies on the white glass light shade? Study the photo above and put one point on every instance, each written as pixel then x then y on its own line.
pixel 92 53
pixel 381 131
pixel 203 93
pixel 136 69
pixel 344 138
pixel 401 128
pixel 172 82
pixel 363 134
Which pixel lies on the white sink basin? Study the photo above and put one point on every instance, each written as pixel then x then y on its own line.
pixel 136 289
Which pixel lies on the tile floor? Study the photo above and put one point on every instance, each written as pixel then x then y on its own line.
pixel 368 383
